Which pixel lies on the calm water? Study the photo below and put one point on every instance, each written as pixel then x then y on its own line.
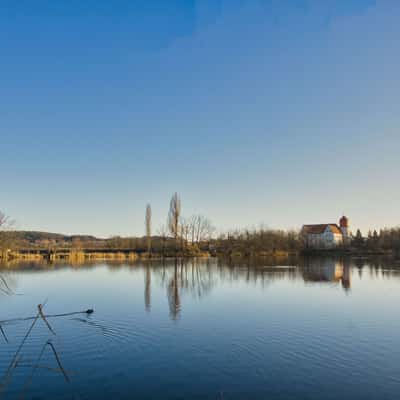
pixel 304 330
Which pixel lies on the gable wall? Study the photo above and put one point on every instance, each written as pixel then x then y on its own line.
pixel 328 239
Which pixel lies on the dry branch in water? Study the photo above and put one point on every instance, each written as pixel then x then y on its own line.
pixel 3 333
pixel 16 359
pixel 40 308
pixel 88 312
pixel 8 290
pixel 37 366
pixel 58 361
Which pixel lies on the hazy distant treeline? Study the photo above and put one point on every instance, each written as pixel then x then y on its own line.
pixel 245 241
pixel 189 236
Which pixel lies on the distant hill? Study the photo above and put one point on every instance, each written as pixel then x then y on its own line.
pixel 36 235
pixel 44 240
pixel 36 239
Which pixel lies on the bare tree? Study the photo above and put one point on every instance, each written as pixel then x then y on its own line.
pixel 163 233
pixel 201 228
pixel 184 232
pixel 207 230
pixel 174 218
pixel 192 228
pixel 3 220
pixel 6 238
pixel 148 227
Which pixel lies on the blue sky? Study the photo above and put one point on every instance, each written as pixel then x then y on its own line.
pixel 274 112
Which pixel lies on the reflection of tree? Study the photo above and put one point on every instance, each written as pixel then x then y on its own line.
pixel 201 279
pixel 184 276
pixel 263 271
pixel 147 290
pixel 197 277
pixel 173 295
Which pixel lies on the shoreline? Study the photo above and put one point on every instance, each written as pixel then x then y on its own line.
pixel 89 255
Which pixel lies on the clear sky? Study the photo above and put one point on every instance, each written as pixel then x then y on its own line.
pixel 257 111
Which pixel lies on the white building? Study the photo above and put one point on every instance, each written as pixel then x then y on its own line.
pixel 326 236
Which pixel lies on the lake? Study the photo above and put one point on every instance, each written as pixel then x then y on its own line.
pixel 300 329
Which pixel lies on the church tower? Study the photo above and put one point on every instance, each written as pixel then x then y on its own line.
pixel 344 227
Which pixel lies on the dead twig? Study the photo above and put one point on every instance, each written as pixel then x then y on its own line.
pixel 6 284
pixel 15 360
pixel 88 312
pixel 13 363
pixel 40 308
pixel 9 291
pixel 4 334
pixel 29 380
pixel 37 366
pixel 6 292
pixel 59 361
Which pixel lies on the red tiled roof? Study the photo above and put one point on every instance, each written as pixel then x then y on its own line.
pixel 319 229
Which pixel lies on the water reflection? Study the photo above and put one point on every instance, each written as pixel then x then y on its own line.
pixel 327 270
pixel 173 295
pixel 251 327
pixel 198 277
pixel 147 289
pixel 185 276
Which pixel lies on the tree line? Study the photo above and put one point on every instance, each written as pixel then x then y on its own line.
pixel 191 236
pixel 257 241
pixel 385 239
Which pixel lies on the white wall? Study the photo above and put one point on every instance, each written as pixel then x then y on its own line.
pixel 328 239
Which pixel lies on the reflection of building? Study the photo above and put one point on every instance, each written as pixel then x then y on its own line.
pixel 326 236
pixel 327 270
